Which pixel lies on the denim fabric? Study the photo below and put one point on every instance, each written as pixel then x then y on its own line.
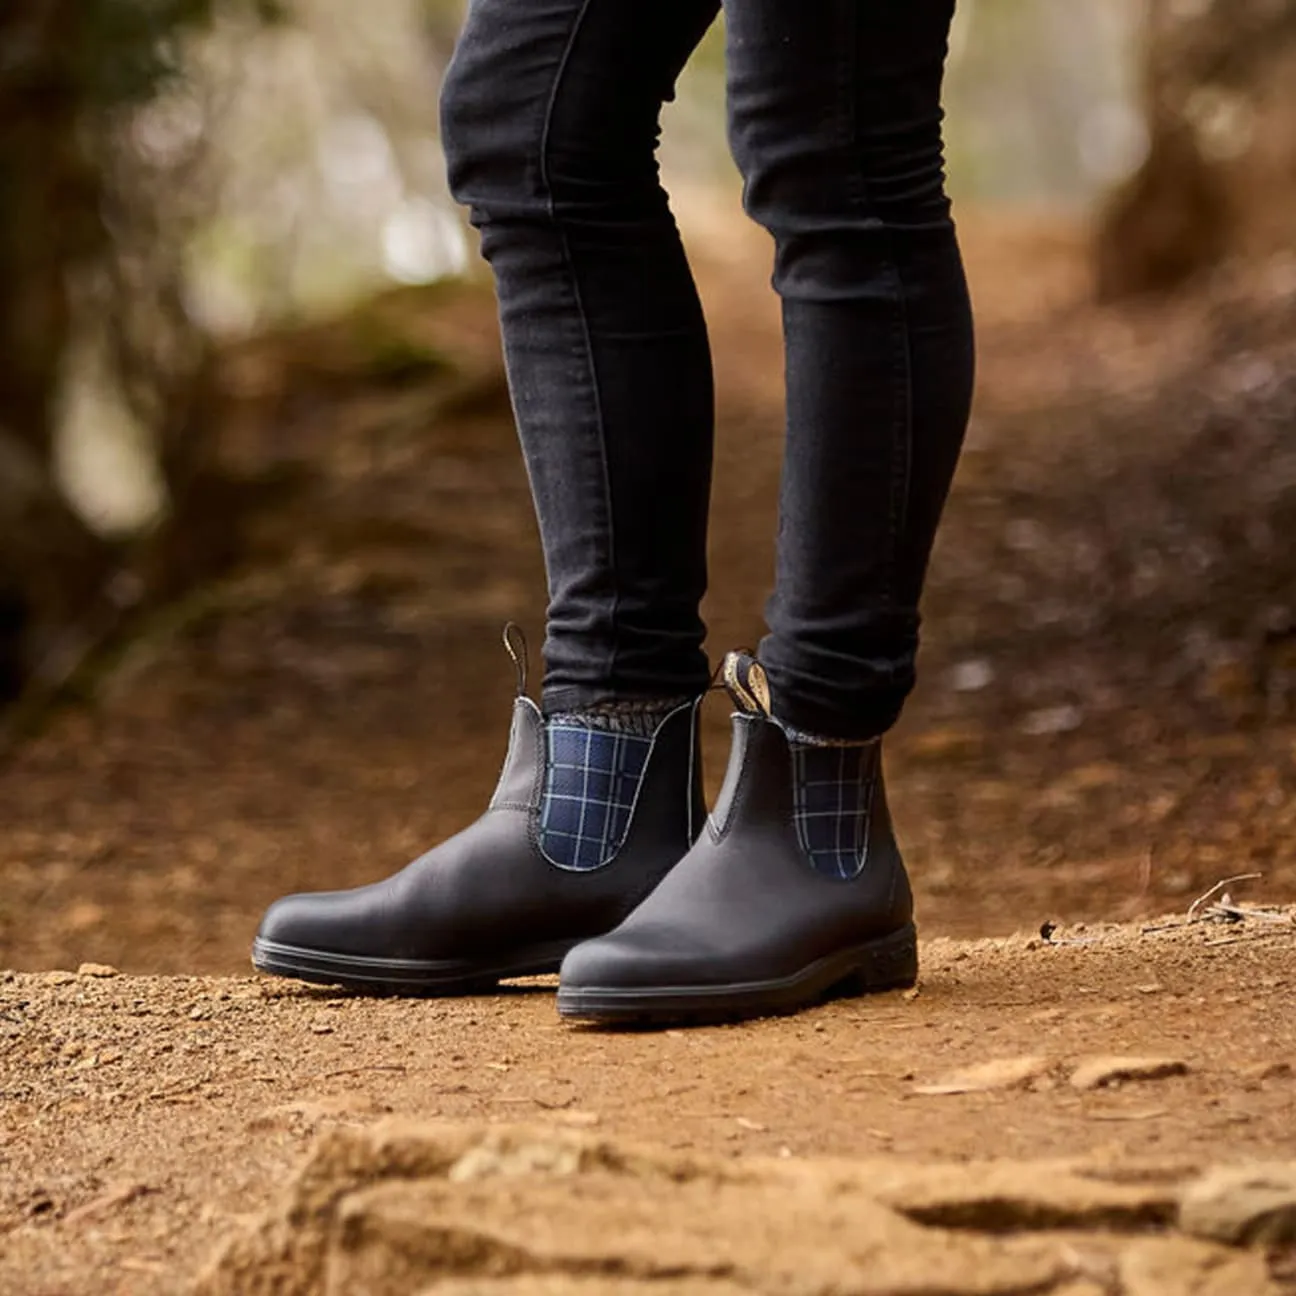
pixel 592 778
pixel 550 118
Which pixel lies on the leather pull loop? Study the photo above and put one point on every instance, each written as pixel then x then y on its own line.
pixel 745 682
pixel 515 645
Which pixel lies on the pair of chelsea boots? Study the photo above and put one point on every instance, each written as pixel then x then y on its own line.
pixel 694 917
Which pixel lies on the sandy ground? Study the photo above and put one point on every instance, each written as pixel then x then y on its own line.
pixel 1103 730
pixel 148 1119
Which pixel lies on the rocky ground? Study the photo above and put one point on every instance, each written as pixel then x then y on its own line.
pixel 1028 1122
pixel 1105 728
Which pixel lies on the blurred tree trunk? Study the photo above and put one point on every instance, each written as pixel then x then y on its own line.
pixel 91 253
pixel 1219 179
pixel 50 563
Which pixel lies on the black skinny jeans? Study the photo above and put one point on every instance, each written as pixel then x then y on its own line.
pixel 550 121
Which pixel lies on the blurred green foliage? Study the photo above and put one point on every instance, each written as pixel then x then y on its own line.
pixel 124 48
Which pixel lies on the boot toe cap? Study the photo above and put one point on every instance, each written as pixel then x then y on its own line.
pixel 633 959
pixel 323 920
pixel 288 921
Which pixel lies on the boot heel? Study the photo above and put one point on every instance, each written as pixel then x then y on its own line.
pixel 890 963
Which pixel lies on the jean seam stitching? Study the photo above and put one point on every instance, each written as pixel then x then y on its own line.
pixel 901 360
pixel 569 263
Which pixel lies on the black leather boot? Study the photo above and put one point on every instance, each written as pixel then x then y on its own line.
pixel 744 926
pixel 488 904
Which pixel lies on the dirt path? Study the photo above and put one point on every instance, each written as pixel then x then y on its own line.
pixel 147 1119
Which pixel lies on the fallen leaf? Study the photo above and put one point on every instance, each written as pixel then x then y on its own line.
pixel 1002 1073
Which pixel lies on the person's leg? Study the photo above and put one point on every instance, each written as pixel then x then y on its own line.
pixel 836 126
pixel 550 120
pixel 797 885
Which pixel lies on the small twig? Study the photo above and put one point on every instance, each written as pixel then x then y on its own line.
pixel 360 1070
pixel 548 1104
pixel 1238 911
pixel 1234 940
pixel 1175 924
pixel 122 1195
pixel 1216 889
pixel 180 1091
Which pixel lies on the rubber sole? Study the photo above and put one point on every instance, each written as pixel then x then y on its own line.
pixel 409 977
pixel 889 963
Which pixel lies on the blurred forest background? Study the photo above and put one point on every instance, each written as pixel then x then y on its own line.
pixel 256 468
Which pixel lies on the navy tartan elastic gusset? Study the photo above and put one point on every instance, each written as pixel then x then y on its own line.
pixel 592 778
pixel 832 798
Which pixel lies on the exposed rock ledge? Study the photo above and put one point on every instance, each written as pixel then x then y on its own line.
pixel 401 1209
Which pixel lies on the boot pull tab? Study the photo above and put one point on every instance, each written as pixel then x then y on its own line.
pixel 515 645
pixel 746 683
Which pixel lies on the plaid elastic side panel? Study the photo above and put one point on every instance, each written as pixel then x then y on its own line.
pixel 591 783
pixel 832 795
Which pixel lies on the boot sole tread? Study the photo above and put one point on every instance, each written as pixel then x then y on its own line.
pixel 408 977
pixel 887 963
